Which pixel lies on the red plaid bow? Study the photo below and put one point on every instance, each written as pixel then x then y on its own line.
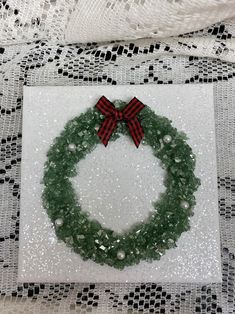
pixel 113 115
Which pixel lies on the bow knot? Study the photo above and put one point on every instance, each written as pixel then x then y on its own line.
pixel 113 115
pixel 119 115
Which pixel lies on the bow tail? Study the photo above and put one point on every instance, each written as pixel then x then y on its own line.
pixel 106 129
pixel 136 131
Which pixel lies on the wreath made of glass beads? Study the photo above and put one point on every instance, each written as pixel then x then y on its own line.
pixel 143 241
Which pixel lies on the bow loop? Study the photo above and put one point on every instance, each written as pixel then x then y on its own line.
pixel 133 108
pixel 105 106
pixel 113 115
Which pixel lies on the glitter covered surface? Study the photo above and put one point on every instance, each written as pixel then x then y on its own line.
pixel 42 258
pixel 127 175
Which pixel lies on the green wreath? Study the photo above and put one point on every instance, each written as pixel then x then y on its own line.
pixel 144 241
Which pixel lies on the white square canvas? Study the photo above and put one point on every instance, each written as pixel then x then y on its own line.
pixel 42 258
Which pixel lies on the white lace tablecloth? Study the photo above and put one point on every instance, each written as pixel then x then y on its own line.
pixel 203 56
